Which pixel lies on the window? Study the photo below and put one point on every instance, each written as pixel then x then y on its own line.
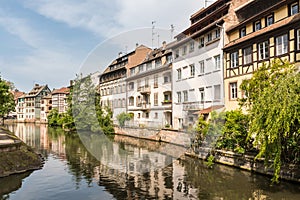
pixel 157 63
pixel 149 66
pixel 298 39
pixel 263 50
pixel 141 68
pixel 147 115
pixel 201 42
pixel 202 67
pixel 179 73
pixel 155 81
pixel 234 59
pixel 156 115
pixel 176 53
pixel 166 79
pixel 201 90
pixel 131 86
pixel 281 44
pixel 217 62
pixel 294 8
pixel 209 37
pixel 217 92
pixel 217 32
pixel 192 46
pixel 257 25
pixel 192 70
pixel 185 96
pixel 243 32
pixel 169 59
pixel 138 85
pixel 147 82
pixel 247 55
pixel 179 97
pixel 139 115
pixel 269 20
pixel 156 99
pixel 131 101
pixel 184 50
pixel 233 90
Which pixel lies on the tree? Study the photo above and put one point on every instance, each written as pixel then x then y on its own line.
pixel 123 117
pixel 7 103
pixel 273 104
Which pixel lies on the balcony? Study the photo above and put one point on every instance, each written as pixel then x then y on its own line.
pixel 198 105
pixel 145 106
pixel 145 90
pixel 166 102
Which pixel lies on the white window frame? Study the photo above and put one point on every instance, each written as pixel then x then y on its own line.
pixel 179 100
pixel 233 91
pixel 184 50
pixel 292 10
pixel 201 42
pixel 243 32
pixel 298 39
pixel 192 47
pixel 217 62
pixel 234 59
pixel 256 28
pixel 282 44
pixel 202 94
pixel 202 67
pixel 185 96
pixel 192 70
pixel 267 20
pixel 263 50
pixel 209 37
pixel 179 74
pixel 247 55
pixel 217 92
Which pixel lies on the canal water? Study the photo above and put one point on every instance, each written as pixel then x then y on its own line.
pixel 127 168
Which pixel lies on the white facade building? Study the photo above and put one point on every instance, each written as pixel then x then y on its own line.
pixel 112 85
pixel 150 90
pixel 197 66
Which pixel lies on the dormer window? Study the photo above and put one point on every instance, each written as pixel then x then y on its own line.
pixel 243 32
pixel 257 25
pixel 209 37
pixel 269 20
pixel 294 8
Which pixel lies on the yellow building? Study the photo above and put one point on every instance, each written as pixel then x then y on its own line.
pixel 258 31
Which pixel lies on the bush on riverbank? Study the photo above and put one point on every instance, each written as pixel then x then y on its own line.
pixel 271 125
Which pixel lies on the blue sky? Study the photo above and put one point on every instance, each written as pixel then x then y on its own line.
pixel 48 41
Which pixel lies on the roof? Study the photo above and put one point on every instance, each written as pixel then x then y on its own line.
pixel 265 30
pixel 36 90
pixel 17 94
pixel 208 110
pixel 63 90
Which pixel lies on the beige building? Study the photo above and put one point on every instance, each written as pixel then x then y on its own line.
pixel 59 99
pixel 46 107
pixel 258 32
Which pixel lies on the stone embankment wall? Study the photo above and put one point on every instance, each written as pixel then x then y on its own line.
pixel 15 156
pixel 247 162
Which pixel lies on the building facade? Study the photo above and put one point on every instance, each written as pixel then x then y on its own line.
pixel 46 107
pixel 197 66
pixel 31 105
pixel 258 32
pixel 112 86
pixel 149 88
pixel 60 99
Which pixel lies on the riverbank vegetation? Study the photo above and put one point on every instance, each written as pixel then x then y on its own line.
pixel 85 112
pixel 7 103
pixel 269 127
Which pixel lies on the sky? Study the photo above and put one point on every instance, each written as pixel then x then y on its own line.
pixel 50 41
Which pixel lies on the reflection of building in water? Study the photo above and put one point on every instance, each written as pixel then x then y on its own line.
pixel 37 136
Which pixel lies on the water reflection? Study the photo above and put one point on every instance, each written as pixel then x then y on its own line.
pixel 133 169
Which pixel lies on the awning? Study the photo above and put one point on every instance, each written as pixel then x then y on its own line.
pixel 208 110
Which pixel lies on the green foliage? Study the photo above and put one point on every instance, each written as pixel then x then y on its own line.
pixel 201 129
pixel 7 103
pixel 210 161
pixel 54 118
pixel 274 104
pixel 123 117
pixel 234 132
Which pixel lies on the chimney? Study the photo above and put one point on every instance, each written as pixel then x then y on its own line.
pixel 36 85
pixel 164 44
pixel 136 45
pixel 120 54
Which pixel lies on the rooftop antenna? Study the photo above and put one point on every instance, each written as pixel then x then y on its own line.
pixel 158 40
pixel 153 33
pixel 172 31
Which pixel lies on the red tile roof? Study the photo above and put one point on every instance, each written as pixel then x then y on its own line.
pixel 208 110
pixel 63 90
